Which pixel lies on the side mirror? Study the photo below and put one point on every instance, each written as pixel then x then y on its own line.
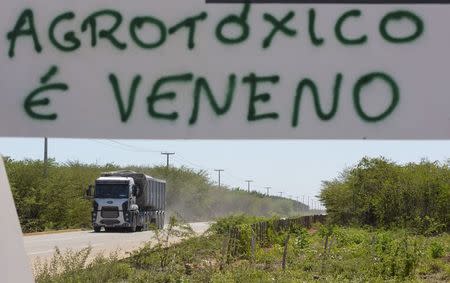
pixel 134 190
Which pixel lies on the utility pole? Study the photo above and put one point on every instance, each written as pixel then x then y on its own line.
pixel 219 171
pixel 267 190
pixel 281 194
pixel 45 155
pixel 309 207
pixel 45 150
pixel 167 154
pixel 248 184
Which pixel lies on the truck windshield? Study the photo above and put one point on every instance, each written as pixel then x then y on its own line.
pixel 111 190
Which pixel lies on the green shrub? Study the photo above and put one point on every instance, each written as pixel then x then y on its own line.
pixel 428 226
pixel 56 201
pixel 223 225
pixel 436 250
pixel 301 238
pixel 396 256
pixel 61 263
pixel 380 193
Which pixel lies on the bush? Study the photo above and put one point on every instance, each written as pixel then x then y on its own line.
pixel 56 201
pixel 436 250
pixel 379 193
pixel 223 225
pixel 428 226
pixel 396 256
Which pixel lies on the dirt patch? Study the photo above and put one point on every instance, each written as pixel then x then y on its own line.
pixel 447 258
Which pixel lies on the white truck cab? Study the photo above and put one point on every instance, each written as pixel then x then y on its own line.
pixel 127 200
pixel 114 201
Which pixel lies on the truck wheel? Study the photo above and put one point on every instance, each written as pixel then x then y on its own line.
pixel 158 222
pixel 97 229
pixel 161 221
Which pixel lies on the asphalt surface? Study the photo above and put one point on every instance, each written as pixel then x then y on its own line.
pixel 43 246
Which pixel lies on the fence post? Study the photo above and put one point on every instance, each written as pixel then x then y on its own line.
pixel 286 242
pixel 231 243
pixel 252 248
pixel 225 244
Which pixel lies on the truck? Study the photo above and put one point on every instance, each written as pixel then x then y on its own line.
pixel 127 200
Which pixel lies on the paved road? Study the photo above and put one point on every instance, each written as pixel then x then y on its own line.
pixel 43 246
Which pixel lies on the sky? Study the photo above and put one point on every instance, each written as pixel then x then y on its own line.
pixel 294 167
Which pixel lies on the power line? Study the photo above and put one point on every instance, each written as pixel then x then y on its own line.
pixel 132 148
pixel 138 149
pixel 183 159
pixel 121 146
pixel 237 178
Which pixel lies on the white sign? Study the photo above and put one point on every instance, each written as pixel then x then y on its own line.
pixel 186 69
pixel 14 264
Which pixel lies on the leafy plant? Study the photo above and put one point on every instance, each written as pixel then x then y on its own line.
pixel 61 263
pixel 436 250
pixel 175 229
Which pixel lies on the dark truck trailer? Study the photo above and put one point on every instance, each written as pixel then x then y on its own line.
pixel 126 199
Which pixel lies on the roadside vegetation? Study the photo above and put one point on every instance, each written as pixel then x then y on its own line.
pixel 56 200
pixel 385 222
pixel 382 194
pixel 320 253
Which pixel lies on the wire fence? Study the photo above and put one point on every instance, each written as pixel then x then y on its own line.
pixel 243 240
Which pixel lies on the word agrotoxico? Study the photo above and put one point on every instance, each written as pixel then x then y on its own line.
pixel 24 31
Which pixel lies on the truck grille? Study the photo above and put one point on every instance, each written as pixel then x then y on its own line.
pixel 110 212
